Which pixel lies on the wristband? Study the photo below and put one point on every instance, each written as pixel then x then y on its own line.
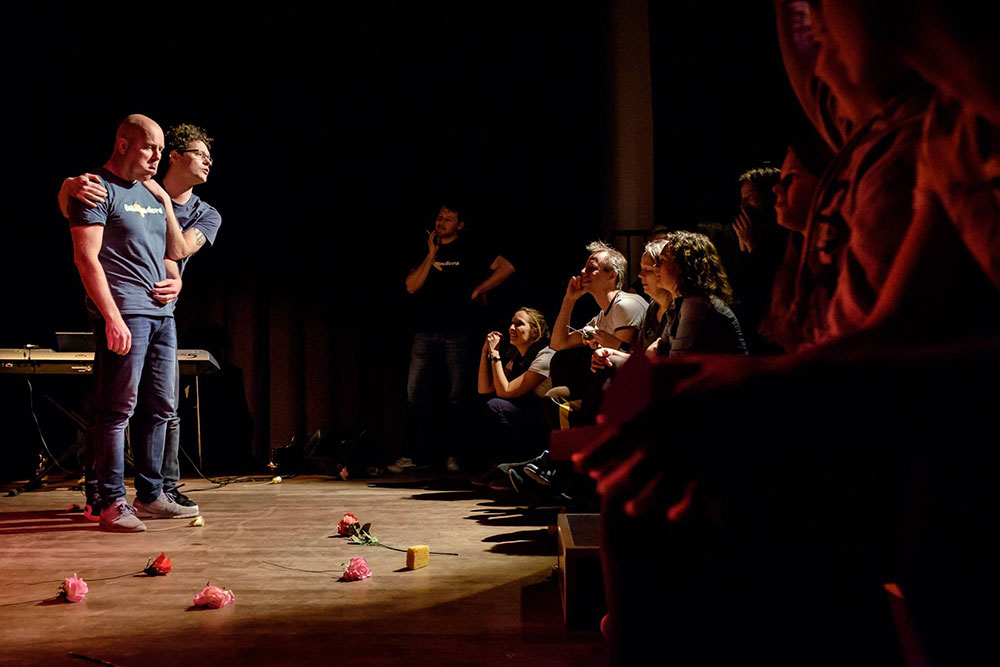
pixel 495 359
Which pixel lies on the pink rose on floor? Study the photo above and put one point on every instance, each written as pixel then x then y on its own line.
pixel 214 597
pixel 75 589
pixel 343 528
pixel 357 570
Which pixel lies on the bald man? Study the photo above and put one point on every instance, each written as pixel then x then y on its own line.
pixel 119 247
pixel 190 162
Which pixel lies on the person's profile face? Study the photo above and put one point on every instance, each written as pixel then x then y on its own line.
pixel 195 160
pixel 751 196
pixel 595 278
pixel 647 272
pixel 520 329
pixel 668 274
pixel 143 152
pixel 793 193
pixel 848 31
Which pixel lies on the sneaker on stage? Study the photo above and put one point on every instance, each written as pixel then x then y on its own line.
pixel 164 508
pixel 500 483
pixel 175 495
pixel 120 517
pixel 541 474
pixel 402 464
pixel 90 511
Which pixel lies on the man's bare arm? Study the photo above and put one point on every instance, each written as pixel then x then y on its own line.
pixel 87 240
pixel 561 338
pixel 176 245
pixel 502 270
pixel 86 187
pixel 418 276
pixel 169 289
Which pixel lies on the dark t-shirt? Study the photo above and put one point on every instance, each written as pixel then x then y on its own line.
pixel 135 239
pixel 652 327
pixel 197 213
pixel 443 305
pixel 701 325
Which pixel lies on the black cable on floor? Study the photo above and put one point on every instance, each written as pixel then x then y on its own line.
pixel 31 406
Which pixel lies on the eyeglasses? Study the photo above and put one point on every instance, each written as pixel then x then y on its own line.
pixel 199 153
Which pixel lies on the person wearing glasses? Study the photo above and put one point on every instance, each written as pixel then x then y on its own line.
pixel 198 222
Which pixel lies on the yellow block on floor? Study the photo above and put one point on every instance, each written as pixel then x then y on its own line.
pixel 418 557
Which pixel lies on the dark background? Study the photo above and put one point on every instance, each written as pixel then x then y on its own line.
pixel 338 129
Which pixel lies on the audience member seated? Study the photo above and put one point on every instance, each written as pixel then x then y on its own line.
pixel 804 163
pixel 698 320
pixel 761 243
pixel 657 233
pixel 867 459
pixel 616 326
pixel 656 312
pixel 518 379
pixel 864 202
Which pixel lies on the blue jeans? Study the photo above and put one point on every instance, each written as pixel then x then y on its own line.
pixel 515 430
pixel 171 469
pixel 434 355
pixel 140 387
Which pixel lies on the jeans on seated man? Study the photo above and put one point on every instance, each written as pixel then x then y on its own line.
pixel 615 326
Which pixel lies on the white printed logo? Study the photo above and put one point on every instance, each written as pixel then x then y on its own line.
pixel 142 210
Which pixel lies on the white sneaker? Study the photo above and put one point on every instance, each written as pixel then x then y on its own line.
pixel 163 508
pixel 120 517
pixel 451 464
pixel 402 464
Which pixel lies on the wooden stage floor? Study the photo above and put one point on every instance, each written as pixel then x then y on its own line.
pixel 493 604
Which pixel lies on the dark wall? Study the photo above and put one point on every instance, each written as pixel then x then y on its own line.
pixel 338 128
pixel 721 103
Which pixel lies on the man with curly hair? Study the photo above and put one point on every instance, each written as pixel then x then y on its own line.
pixel 188 147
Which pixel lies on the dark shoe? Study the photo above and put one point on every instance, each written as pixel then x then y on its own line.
pixel 175 495
pixel 485 478
pixel 505 468
pixel 500 484
pixel 91 511
pixel 402 464
pixel 517 481
pixel 541 474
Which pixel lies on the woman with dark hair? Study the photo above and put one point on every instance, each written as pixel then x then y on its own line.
pixel 516 427
pixel 784 323
pixel 698 320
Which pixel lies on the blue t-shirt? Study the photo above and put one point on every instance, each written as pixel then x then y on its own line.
pixel 196 213
pixel 135 240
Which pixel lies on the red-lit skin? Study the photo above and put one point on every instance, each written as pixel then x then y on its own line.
pixel 849 24
pixel 794 193
pixel 855 102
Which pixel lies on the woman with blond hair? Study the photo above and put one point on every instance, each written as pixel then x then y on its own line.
pixel 518 379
